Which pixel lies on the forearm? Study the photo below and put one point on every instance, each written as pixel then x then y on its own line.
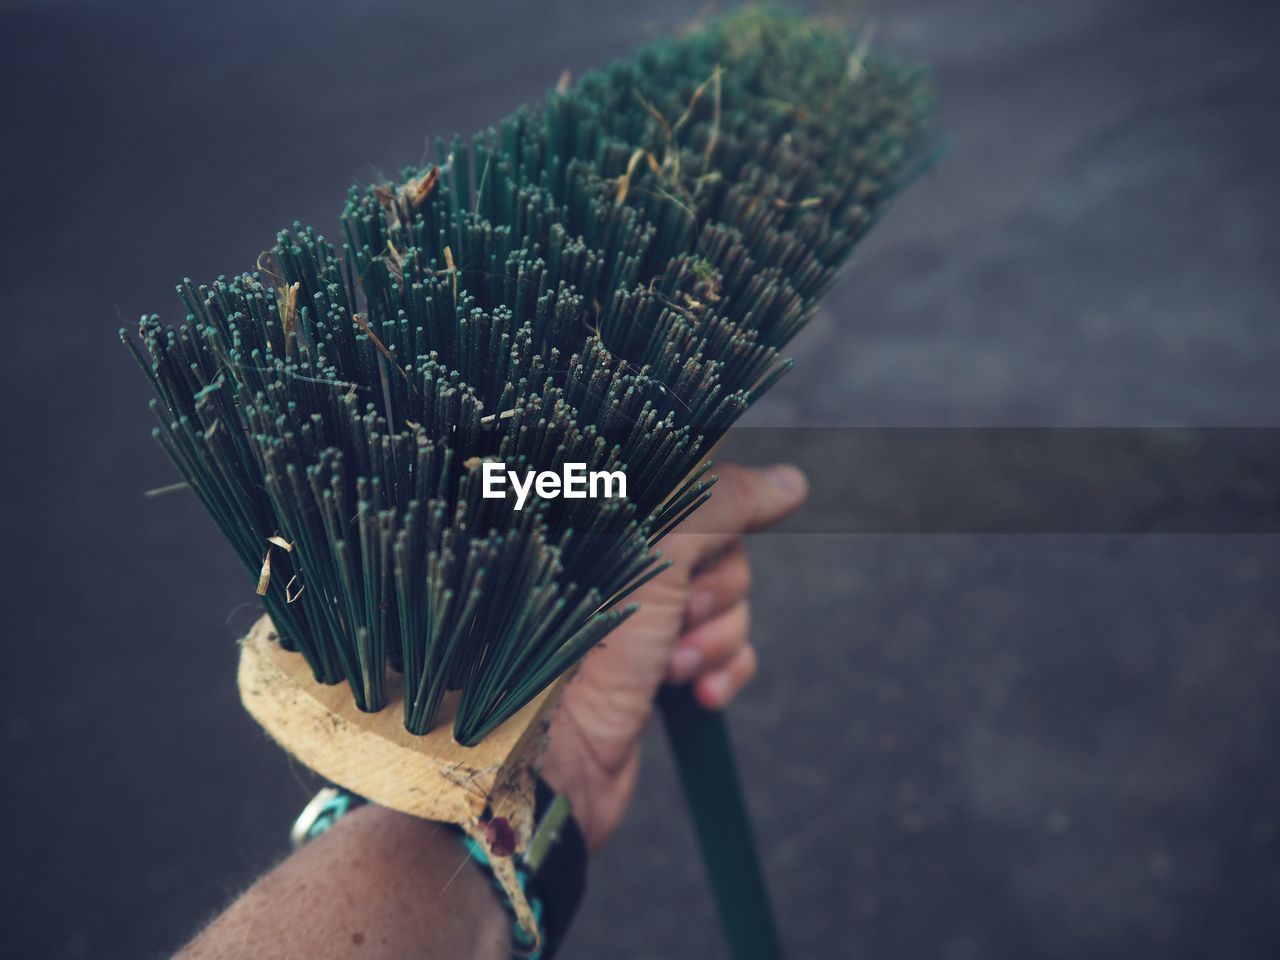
pixel 390 885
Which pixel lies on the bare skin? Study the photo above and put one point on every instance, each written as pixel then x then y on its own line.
pixel 381 885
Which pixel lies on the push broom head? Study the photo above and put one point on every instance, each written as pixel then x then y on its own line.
pixel 604 280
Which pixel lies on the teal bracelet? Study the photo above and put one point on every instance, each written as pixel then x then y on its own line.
pixel 524 945
pixel 326 808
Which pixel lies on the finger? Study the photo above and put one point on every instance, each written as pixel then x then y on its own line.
pixel 719 586
pixel 712 645
pixel 715 690
pixel 745 499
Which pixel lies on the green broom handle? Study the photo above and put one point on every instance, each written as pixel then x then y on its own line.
pixel 704 756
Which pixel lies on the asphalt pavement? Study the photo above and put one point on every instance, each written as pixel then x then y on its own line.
pixel 964 742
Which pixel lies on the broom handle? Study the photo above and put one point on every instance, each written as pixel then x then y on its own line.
pixel 704 756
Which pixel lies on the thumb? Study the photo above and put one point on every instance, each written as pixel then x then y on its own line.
pixel 745 499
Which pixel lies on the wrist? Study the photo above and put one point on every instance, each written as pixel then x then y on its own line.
pixel 524 902
pixel 389 884
pixel 433 862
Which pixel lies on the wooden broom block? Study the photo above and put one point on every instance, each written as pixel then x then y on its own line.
pixel 373 755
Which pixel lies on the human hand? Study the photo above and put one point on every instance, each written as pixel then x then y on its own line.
pixel 692 627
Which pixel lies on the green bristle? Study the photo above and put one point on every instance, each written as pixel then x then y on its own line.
pixel 605 279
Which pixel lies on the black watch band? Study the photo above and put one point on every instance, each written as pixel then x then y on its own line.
pixel 559 878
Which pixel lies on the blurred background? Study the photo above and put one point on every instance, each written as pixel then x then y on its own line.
pixel 967 745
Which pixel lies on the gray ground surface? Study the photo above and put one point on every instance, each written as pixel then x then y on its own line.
pixel 960 746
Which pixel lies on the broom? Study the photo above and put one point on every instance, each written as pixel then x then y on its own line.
pixel 604 280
